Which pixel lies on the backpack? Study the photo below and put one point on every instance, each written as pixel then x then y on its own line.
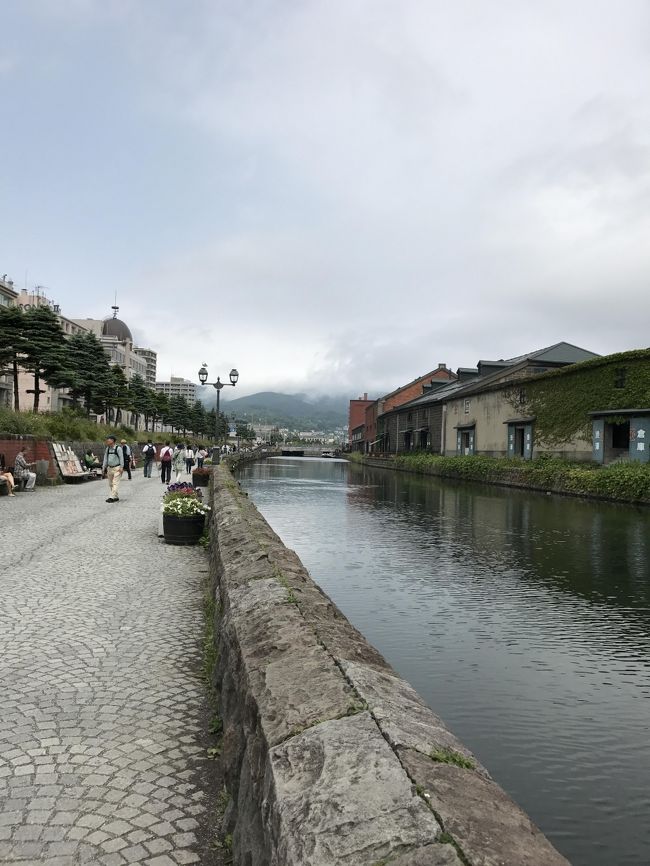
pixel 166 456
pixel 149 451
pixel 111 456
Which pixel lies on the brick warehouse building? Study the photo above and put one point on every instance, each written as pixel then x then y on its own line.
pixel 362 428
pixel 357 422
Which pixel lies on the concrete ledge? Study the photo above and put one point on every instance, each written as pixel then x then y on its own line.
pixel 327 751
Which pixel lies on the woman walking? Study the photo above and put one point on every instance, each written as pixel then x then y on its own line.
pixel 178 461
pixel 189 459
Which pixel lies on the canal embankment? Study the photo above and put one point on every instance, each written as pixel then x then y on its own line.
pixel 621 482
pixel 329 756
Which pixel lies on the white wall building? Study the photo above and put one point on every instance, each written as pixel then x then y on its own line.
pixel 8 297
pixel 178 387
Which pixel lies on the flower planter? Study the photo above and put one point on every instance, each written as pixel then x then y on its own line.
pixel 199 479
pixel 183 530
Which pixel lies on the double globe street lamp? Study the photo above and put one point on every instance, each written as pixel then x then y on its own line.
pixel 203 379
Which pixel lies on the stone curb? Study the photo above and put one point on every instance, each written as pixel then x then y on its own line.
pixel 327 751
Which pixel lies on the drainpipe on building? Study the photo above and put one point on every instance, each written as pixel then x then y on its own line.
pixel 443 431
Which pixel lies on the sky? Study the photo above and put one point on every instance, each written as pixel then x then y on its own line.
pixel 333 196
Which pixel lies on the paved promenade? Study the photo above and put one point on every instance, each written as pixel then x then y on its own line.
pixel 102 706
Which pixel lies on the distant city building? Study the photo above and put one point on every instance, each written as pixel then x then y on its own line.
pixel 8 293
pixel 151 358
pixel 178 387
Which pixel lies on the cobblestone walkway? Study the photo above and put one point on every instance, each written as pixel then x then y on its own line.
pixel 102 706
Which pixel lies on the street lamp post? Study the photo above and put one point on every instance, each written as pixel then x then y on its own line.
pixel 203 379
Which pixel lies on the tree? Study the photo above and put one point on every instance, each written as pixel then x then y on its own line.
pixel 44 350
pixel 179 415
pixel 91 372
pixel 11 345
pixel 210 422
pixel 140 400
pixel 160 407
pixel 199 419
pixel 245 431
pixel 119 391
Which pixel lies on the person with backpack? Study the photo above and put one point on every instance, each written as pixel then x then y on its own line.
pixel 129 463
pixel 113 467
pixel 166 454
pixel 149 454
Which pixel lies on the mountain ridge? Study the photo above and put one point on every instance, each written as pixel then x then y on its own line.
pixel 273 407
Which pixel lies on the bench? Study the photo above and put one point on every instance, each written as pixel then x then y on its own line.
pixel 69 466
pixel 19 484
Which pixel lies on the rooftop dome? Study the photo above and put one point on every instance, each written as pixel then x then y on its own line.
pixel 116 328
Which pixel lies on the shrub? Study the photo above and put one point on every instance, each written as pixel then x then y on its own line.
pixel 629 482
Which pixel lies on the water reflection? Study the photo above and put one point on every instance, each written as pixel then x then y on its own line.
pixel 522 619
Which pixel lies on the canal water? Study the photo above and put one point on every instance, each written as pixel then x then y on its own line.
pixel 522 619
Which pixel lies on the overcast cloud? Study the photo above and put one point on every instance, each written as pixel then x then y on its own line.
pixel 332 195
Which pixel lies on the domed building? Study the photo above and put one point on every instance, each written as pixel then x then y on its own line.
pixel 114 327
pixel 117 339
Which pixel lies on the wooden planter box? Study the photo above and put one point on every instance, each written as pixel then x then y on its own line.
pixel 200 480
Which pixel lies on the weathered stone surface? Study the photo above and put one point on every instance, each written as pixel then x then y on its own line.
pixel 330 625
pixel 403 717
pixel 432 855
pixel 291 678
pixel 310 785
pixel 342 797
pixel 489 827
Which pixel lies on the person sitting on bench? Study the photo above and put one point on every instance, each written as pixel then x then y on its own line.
pixel 7 477
pixel 91 461
pixel 22 471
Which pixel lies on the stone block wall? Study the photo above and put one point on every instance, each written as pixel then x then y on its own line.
pixel 330 757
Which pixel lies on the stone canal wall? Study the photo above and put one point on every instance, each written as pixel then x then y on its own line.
pixel 329 757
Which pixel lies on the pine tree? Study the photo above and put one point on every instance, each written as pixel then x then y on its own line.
pixel 140 399
pixel 11 346
pixel 160 408
pixel 91 372
pixel 198 417
pixel 179 414
pixel 119 392
pixel 44 350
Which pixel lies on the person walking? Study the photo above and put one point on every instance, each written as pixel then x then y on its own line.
pixel 22 470
pixel 179 461
pixel 113 467
pixel 201 454
pixel 166 457
pixel 189 459
pixel 149 454
pixel 128 457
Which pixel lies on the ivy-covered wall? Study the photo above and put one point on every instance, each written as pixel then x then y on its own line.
pixel 561 401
